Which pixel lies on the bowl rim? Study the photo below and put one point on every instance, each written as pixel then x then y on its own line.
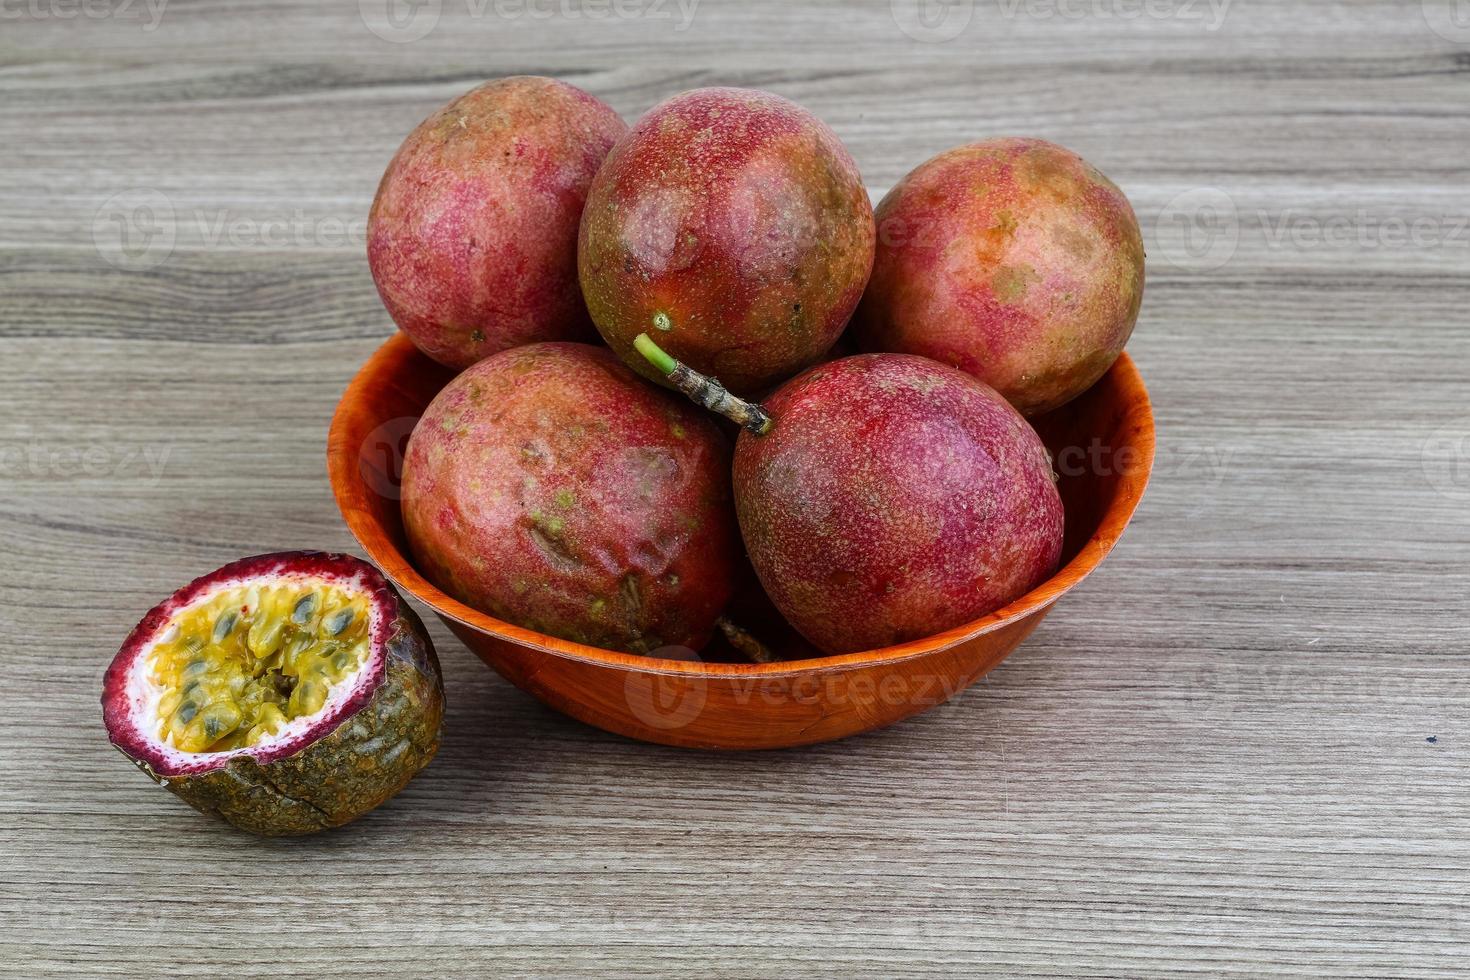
pixel 349 490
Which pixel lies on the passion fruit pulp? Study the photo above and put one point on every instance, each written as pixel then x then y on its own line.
pixel 285 693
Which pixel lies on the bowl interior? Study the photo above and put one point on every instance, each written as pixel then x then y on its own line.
pixel 1102 444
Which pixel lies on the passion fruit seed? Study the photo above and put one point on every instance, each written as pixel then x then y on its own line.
pixel 338 621
pixel 265 635
pixel 263 665
pixel 307 698
pixel 220 720
pixel 223 626
pixel 304 609
pixel 267 721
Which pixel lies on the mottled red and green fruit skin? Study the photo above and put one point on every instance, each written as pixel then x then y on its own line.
pixel 733 227
pixel 550 487
pixel 895 498
pixel 472 238
pixel 1011 259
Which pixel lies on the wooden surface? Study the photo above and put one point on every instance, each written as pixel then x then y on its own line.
pixel 1239 749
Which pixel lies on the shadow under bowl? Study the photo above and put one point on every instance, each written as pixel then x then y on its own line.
pixel 1103 447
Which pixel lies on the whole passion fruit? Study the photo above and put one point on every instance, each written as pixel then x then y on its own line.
pixel 286 693
pixel 1013 260
pixel 885 497
pixel 733 225
pixel 894 498
pixel 472 239
pixel 552 488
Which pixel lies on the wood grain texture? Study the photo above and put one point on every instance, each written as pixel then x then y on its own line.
pixel 1240 749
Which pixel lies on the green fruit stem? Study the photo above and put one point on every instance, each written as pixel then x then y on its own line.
pixel 704 390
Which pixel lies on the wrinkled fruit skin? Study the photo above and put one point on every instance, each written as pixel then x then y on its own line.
pixel 385 738
pixel 1011 259
pixel 472 238
pixel 895 498
pixel 549 487
pixel 739 221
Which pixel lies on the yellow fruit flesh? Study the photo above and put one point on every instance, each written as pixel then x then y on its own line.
pixel 237 668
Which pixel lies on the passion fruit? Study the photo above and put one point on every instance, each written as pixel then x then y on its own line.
pixel 472 237
pixel 285 693
pixel 734 224
pixel 885 497
pixel 552 488
pixel 1014 260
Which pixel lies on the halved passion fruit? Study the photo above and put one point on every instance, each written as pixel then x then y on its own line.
pixel 286 693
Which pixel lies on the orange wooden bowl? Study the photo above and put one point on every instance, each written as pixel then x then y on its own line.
pixel 1103 445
